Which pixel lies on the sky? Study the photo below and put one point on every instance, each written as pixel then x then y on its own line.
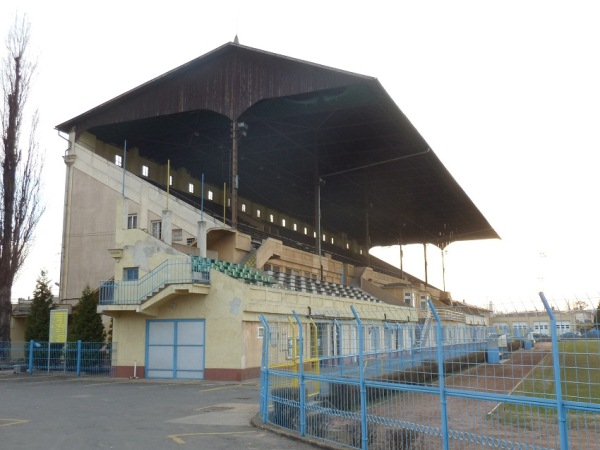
pixel 506 93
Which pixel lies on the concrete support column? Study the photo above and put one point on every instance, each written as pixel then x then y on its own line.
pixel 167 227
pixel 201 238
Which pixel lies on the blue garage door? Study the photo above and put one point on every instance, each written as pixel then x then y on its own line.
pixel 175 349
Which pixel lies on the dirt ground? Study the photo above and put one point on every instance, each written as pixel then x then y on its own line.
pixel 475 423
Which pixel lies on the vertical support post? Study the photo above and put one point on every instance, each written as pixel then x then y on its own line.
pixel 425 261
pixel 124 167
pixel 388 343
pixel 79 358
pixel 168 181
pixel 302 379
pixel 363 387
pixel 560 409
pixel 340 348
pixel 441 381
pixel 264 370
pixel 234 171
pixel 202 200
pixel 30 368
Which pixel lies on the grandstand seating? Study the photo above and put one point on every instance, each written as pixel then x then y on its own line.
pixel 283 280
pixel 302 284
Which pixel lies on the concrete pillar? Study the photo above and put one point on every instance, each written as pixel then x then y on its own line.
pixel 167 227
pixel 201 238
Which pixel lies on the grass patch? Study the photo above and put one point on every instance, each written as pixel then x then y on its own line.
pixel 580 382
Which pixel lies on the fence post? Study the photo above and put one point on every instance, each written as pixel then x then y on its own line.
pixel 562 418
pixel 440 357
pixel 302 379
pixel 363 387
pixel 338 327
pixel 264 370
pixel 79 358
pixel 30 368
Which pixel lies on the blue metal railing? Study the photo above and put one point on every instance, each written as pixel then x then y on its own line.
pixel 381 391
pixel 171 271
pixel 75 358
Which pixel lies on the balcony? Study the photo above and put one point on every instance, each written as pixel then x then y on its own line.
pixel 191 270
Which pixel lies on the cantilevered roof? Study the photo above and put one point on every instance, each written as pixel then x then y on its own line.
pixel 305 122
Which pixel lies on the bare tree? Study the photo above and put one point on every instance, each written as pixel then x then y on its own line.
pixel 20 183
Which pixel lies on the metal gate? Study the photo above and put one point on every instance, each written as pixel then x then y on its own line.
pixel 175 348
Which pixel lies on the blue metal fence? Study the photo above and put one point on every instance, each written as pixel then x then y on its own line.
pixel 364 383
pixel 74 358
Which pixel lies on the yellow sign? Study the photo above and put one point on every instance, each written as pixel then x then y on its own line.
pixel 58 325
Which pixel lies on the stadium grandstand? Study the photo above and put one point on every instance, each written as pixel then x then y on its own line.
pixel 245 183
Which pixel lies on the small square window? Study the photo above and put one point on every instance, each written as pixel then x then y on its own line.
pixel 283 223
pixel 157 229
pixel 131 221
pixel 177 235
pixel 210 195
pixel 295 227
pixel 243 207
pixel 314 234
pixel 119 160
pixel 305 230
pixel 131 273
pixel 145 171
pixel 170 180
pixel 271 218
pixel 191 188
pixel 258 213
pixel 260 332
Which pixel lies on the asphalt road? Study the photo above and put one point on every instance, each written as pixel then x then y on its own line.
pixel 58 413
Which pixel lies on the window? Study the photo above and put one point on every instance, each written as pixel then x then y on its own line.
pixel 243 207
pixel 295 227
pixel 177 235
pixel 119 160
pixel 408 298
pixel 130 273
pixel 170 180
pixel 258 213
pixel 190 241
pixel 260 332
pixel 324 238
pixel 283 223
pixel 305 230
pixel 314 234
pixel 210 195
pixel 423 303
pixel 332 240
pixel 131 221
pixel 191 188
pixel 271 218
pixel 157 229
pixel 347 246
pixel 145 171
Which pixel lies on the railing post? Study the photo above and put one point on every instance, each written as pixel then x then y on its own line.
pixel 79 358
pixel 363 387
pixel 560 409
pixel 388 343
pixel 338 327
pixel 264 370
pixel 302 379
pixel 440 357
pixel 30 368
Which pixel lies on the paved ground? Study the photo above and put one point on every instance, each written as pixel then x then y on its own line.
pixel 58 413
